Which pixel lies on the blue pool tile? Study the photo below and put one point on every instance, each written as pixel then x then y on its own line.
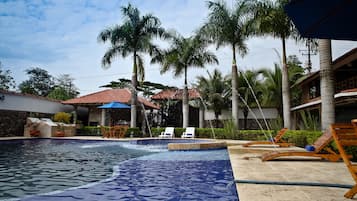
pixel 159 180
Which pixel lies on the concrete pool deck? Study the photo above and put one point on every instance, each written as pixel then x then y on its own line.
pixel 286 171
pixel 279 171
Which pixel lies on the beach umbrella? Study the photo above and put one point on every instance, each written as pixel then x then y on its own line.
pixel 114 105
pixel 324 19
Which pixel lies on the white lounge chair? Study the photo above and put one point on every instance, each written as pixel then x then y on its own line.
pixel 189 133
pixel 168 133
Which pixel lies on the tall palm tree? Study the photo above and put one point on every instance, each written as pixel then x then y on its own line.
pixel 271 95
pixel 296 72
pixel 214 91
pixel 185 53
pixel 246 80
pixel 132 37
pixel 272 83
pixel 272 20
pixel 229 27
pixel 327 84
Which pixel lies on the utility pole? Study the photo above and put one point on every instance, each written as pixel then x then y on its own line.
pixel 311 50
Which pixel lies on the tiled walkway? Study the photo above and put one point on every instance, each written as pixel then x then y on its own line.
pixel 286 171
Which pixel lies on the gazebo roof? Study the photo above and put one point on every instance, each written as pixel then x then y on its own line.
pixel 107 96
pixel 175 94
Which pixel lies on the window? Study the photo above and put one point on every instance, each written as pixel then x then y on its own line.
pixel 314 90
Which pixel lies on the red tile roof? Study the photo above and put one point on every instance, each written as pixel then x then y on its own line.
pixel 175 94
pixel 107 96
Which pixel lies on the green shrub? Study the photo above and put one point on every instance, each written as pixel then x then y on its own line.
pixel 157 131
pixel 308 121
pixel 301 138
pixel 208 133
pixel 255 134
pixel 89 131
pixel 95 131
pixel 135 131
pixel 62 117
pixel 229 129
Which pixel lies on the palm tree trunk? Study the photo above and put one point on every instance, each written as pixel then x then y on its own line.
pixel 185 107
pixel 285 89
pixel 201 115
pixel 235 116
pixel 245 113
pixel 134 97
pixel 326 84
pixel 216 116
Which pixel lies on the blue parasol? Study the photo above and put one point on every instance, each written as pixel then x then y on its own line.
pixel 114 105
pixel 324 19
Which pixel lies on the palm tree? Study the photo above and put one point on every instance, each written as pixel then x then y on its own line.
pixel 327 84
pixel 185 53
pixel 296 72
pixel 229 27
pixel 272 20
pixel 246 80
pixel 272 83
pixel 214 91
pixel 132 37
pixel 271 95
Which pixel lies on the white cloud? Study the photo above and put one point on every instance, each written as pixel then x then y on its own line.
pixel 61 37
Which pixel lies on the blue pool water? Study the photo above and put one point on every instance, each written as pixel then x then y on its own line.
pixel 135 173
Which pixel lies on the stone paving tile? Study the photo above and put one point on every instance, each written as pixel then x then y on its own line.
pixel 290 171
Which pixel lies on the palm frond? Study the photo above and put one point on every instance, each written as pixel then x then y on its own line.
pixel 111 53
pixel 104 35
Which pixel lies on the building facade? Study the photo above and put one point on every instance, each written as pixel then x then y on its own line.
pixel 345 74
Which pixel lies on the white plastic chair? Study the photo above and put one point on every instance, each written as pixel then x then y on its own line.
pixel 168 133
pixel 189 133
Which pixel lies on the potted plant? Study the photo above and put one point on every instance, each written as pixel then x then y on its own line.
pixel 34 132
pixel 62 118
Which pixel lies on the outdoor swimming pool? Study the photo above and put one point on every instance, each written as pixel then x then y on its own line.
pixel 105 170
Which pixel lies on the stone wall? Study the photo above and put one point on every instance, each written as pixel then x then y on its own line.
pixel 12 123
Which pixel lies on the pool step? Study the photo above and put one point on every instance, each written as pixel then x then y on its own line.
pixel 196 146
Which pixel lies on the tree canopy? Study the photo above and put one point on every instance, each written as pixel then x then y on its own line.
pixel 40 82
pixel 6 80
pixel 214 91
pixel 64 88
pixel 148 88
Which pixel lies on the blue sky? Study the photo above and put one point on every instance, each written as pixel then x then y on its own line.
pixel 61 37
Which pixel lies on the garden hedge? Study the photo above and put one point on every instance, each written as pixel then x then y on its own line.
pixel 300 138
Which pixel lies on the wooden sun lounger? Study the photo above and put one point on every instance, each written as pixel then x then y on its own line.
pixel 321 150
pixel 277 140
pixel 346 135
pixel 105 131
pixel 114 131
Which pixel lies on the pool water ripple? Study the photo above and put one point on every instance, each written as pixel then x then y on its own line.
pixel 184 175
pixel 140 179
pixel 31 167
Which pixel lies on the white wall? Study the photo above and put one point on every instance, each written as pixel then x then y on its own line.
pixel 27 103
pixel 269 113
